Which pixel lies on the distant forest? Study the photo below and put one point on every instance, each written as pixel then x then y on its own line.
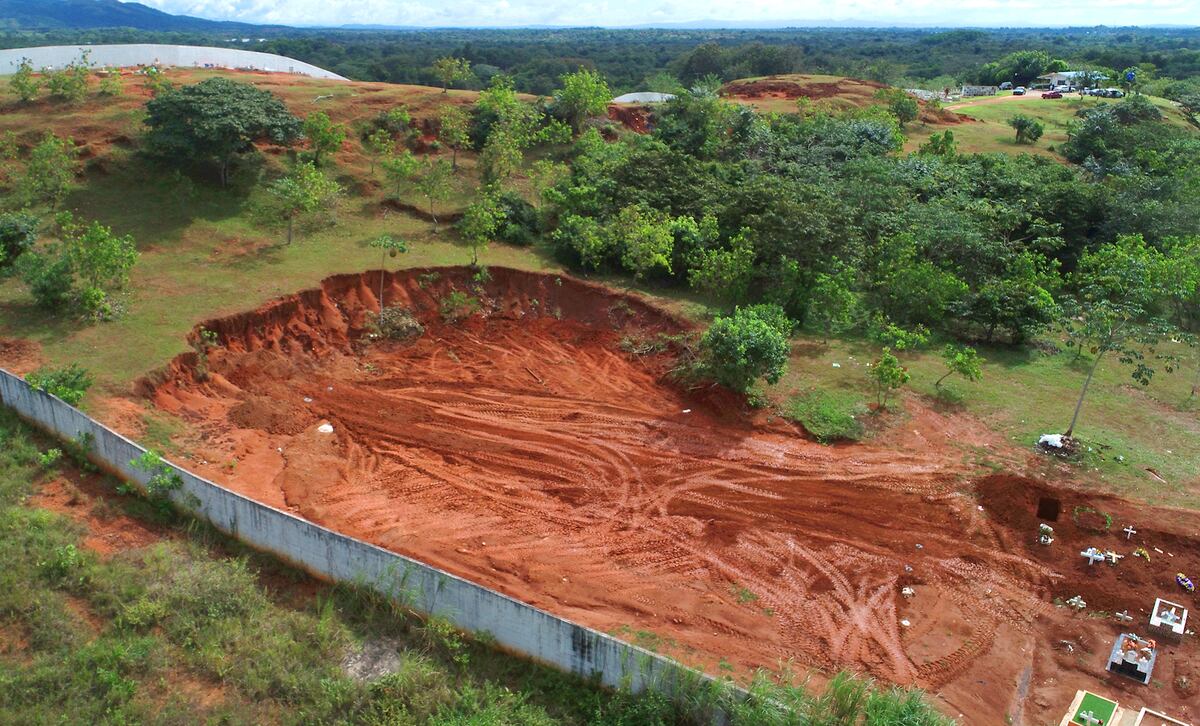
pixel 654 59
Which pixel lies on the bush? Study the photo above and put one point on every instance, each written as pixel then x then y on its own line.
pixel 828 415
pixel 519 224
pixel 18 231
pixel 751 344
pixel 457 306
pixel 68 384
pixel 1029 130
pixel 396 323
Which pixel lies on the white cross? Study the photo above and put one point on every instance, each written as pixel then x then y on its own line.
pixel 1124 616
pixel 1129 531
pixel 1093 555
pixel 1087 718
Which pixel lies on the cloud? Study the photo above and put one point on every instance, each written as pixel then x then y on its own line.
pixel 468 13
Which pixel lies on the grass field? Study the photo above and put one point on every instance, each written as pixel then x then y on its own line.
pixel 990 132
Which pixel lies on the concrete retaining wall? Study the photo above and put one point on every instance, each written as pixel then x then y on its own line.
pixel 517 627
pixel 153 54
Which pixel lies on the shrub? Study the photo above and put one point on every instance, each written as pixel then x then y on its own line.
pixel 1029 130
pixel 457 306
pixel 18 231
pixel 68 384
pixel 827 415
pixel 163 479
pixel 751 344
pixel 889 375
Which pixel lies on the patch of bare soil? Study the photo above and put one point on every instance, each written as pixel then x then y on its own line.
pixel 19 356
pixel 521 448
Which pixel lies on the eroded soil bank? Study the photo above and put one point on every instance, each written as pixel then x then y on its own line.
pixel 539 448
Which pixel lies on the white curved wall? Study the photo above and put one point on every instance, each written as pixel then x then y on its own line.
pixel 145 54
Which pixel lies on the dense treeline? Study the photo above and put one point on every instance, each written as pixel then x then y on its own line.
pixel 637 59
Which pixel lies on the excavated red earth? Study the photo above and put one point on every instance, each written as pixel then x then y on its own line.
pixel 524 449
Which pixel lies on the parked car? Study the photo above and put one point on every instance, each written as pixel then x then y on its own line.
pixel 1019 91
pixel 1006 86
pixel 1113 93
pixel 1052 94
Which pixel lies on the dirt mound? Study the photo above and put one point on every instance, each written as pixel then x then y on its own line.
pixel 523 448
pixel 634 118
pixel 776 87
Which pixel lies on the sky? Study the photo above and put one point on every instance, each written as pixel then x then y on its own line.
pixel 472 13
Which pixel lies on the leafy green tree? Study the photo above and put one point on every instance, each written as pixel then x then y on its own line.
pixel 480 221
pixel 110 83
pixel 750 344
pixel 400 169
pixel 101 262
pixel 725 273
pixel 1116 309
pixel 18 232
pixel 901 105
pixel 49 171
pixel 24 83
pixel 303 191
pixel 583 94
pixel 889 375
pixel 833 305
pixel 1028 129
pixel 435 182
pixel 324 136
pixel 379 144
pixel 387 245
pixel 68 384
pixel 963 360
pixel 70 83
pixel 48 275
pixel 216 119
pixel 645 237
pixel 1189 104
pixel 449 70
pixel 545 175
pixel 585 238
pixel 454 130
pixel 942 144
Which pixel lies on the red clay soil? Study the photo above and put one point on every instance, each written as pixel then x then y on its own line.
pixel 634 118
pixel 779 88
pixel 523 449
pixel 19 356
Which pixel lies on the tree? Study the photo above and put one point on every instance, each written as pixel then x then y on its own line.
pixel 400 168
pixel 962 360
pixel 18 232
pixel 1029 130
pixel 546 174
pixel 889 375
pixel 67 384
pixel 24 83
pixel 750 344
pixel 70 83
pixel 387 245
pixel 901 105
pixel 305 190
pixel 100 260
pixel 583 94
pixel 942 144
pixel 379 144
pixel 725 273
pixel 645 237
pixel 49 171
pixel 1189 104
pixel 480 221
pixel 324 136
pixel 1115 309
pixel 454 127
pixel 833 305
pixel 435 184
pixel 450 69
pixel 216 119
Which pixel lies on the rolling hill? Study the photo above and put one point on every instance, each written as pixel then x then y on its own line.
pixel 82 14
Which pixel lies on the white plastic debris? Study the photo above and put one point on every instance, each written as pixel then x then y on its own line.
pixel 325 428
pixel 307 399
pixel 905 622
pixel 837 365
pixel 1054 440
pixel 687 410
pixel 908 592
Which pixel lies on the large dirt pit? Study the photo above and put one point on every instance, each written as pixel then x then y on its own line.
pixel 526 449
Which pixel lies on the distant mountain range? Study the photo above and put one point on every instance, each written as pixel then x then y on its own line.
pixel 82 14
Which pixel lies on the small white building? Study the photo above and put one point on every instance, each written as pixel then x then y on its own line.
pixel 1064 79
pixel 644 97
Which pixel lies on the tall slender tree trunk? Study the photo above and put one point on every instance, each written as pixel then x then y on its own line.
pixel 382 262
pixel 454 158
pixel 291 226
pixel 433 216
pixel 1079 404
